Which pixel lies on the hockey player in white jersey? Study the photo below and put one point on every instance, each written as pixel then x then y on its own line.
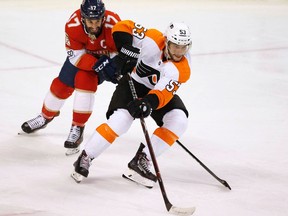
pixel 162 63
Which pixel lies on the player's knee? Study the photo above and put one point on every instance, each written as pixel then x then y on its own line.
pixel 176 121
pixel 123 116
pixel 61 90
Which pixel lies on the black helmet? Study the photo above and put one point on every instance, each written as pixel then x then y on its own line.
pixel 92 9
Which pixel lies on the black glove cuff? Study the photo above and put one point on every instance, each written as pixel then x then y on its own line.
pixel 130 51
pixel 153 100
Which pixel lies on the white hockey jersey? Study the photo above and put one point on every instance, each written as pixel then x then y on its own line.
pixel 162 76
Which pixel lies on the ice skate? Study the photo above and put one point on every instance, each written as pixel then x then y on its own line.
pixel 139 169
pixel 74 140
pixel 81 167
pixel 35 124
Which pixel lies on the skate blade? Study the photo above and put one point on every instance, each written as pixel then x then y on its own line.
pixel 72 151
pixel 22 133
pixel 138 179
pixel 77 177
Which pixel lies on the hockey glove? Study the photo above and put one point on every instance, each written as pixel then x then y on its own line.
pixel 105 69
pixel 139 108
pixel 126 59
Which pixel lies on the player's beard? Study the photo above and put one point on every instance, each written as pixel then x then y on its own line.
pixel 96 32
pixel 171 56
pixel 175 57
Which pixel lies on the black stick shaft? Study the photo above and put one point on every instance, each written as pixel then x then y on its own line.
pixel 149 144
pixel 203 165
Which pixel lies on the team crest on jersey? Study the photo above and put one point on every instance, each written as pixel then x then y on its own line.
pixel 70 54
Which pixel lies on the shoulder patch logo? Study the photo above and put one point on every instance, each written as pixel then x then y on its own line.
pixel 67 41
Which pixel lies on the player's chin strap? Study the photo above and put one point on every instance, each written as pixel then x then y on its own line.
pixel 170 208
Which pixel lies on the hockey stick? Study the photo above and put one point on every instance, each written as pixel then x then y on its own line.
pixel 170 208
pixel 205 167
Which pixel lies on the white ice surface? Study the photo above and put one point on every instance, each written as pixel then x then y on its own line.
pixel 237 98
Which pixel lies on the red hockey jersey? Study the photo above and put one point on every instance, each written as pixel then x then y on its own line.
pixel 83 50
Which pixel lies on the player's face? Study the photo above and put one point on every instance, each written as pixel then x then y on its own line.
pixel 93 26
pixel 176 51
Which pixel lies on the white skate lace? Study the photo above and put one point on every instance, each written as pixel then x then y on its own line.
pixel 74 134
pixel 144 164
pixel 85 162
pixel 37 122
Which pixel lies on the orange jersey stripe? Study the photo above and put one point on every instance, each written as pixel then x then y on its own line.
pixel 184 69
pixel 166 94
pixel 168 136
pixel 157 36
pixel 124 26
pixel 140 32
pixel 105 131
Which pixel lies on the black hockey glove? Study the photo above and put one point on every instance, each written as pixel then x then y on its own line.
pixel 139 108
pixel 106 70
pixel 126 59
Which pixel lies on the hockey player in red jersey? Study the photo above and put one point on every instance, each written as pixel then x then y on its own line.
pixel 163 64
pixel 89 45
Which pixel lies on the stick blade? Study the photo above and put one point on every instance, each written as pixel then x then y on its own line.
pixel 181 211
pixel 226 185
